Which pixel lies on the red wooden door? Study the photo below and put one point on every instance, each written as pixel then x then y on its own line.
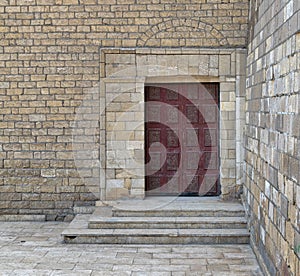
pixel 182 154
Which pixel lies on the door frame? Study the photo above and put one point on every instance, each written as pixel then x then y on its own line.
pixel 133 68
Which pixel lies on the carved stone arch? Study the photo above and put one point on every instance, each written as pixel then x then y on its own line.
pixel 182 29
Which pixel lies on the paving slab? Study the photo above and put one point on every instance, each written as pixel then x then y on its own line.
pixel 36 248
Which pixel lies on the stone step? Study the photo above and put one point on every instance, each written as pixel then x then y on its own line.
pixel 78 232
pixel 237 212
pixel 195 207
pixel 98 222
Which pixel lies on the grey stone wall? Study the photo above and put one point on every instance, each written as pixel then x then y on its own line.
pixel 272 145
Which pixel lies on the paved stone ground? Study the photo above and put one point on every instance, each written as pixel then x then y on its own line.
pixel 36 248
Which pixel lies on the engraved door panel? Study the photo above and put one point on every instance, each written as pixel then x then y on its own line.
pixel 182 139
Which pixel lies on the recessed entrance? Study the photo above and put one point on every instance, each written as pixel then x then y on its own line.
pixel 123 134
pixel 182 139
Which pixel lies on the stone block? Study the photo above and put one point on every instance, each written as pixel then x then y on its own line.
pixel 298 196
pixel 4 85
pixel 224 65
pixel 284 206
pixel 117 193
pixel 297 244
pixel 115 183
pixel 137 184
pixel 227 106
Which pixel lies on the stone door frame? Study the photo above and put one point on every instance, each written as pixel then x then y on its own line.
pixel 123 76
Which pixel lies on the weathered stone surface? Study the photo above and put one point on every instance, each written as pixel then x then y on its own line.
pixel 184 221
pixel 43 254
pixel 272 136
pixel 54 63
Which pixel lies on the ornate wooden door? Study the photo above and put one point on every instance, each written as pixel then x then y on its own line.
pixel 182 139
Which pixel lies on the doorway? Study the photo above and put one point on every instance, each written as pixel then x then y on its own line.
pixel 182 139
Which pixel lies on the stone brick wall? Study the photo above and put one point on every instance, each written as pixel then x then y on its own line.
pixel 272 189
pixel 49 61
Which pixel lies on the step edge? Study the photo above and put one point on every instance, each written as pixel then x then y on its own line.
pixel 242 232
pixel 167 220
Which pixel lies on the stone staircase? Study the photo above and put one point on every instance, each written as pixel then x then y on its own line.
pixel 180 221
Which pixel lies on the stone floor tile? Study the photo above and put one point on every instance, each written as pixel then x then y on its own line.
pixel 15 265
pixel 161 249
pixel 250 261
pixel 6 272
pixel 55 265
pixel 71 273
pixel 198 273
pixel 218 267
pixel 170 256
pixel 159 273
pixel 139 261
pixel 215 255
pixel 36 272
pixel 230 273
pixel 111 273
pixel 198 267
pixel 134 255
pixel 145 268
pixel 244 268
pixel 236 261
pixel 126 250
pixel 95 255
pixel 178 273
pixel 189 261
pixel 236 255
pixel 93 266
